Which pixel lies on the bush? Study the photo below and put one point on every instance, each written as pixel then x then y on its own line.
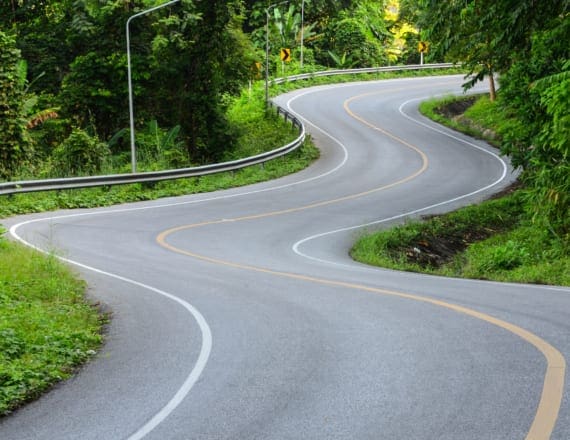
pixel 161 149
pixel 348 38
pixel 80 154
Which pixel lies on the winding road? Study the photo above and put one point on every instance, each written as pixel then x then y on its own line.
pixel 240 315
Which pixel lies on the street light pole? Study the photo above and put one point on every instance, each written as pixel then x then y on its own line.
pixel 131 106
pixel 267 49
pixel 302 30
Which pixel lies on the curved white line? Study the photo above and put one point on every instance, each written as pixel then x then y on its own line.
pixel 298 244
pixel 205 350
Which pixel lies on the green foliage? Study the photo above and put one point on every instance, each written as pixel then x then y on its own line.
pixel 507 256
pixel 287 25
pixel 160 149
pixel 538 250
pixel 256 132
pixel 351 36
pixel 15 145
pixel 493 240
pixel 46 328
pixel 342 62
pixel 535 91
pixel 201 73
pixel 94 92
pixel 80 154
pixel 525 254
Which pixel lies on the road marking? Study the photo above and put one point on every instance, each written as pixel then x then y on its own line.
pixel 553 385
pixel 298 244
pixel 204 328
pixel 416 173
pixel 206 333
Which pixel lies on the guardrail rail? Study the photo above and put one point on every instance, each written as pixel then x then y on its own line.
pixel 58 184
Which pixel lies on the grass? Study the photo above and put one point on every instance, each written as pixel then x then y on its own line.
pixel 496 240
pixel 257 133
pixel 474 115
pixel 46 328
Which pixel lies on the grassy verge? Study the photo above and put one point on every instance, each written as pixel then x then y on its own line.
pixel 46 328
pixel 474 115
pixel 496 240
pixel 257 133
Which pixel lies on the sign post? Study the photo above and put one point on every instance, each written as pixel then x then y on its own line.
pixel 267 48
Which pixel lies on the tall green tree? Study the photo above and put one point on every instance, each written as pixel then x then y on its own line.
pixel 208 57
pixel 536 89
pixel 487 36
pixel 462 31
pixel 359 34
pixel 15 144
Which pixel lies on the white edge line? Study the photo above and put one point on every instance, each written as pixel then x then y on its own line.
pixel 416 211
pixel 298 244
pixel 205 349
pixel 99 211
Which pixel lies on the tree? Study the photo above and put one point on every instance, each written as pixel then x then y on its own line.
pixel 209 57
pixel 15 146
pixel 536 89
pixel 460 31
pixel 361 33
pixel 487 36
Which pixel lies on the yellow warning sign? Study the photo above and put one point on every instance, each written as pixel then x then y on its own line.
pixel 285 54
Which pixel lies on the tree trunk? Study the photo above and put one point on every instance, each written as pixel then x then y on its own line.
pixel 492 90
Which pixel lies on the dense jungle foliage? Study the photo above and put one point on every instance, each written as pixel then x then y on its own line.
pixel 64 94
pixel 524 43
pixel 64 84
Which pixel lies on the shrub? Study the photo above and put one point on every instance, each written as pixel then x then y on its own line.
pixel 80 154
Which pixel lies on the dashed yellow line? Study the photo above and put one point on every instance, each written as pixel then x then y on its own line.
pixel 553 386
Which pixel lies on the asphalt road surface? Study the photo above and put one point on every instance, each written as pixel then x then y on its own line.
pixel 240 315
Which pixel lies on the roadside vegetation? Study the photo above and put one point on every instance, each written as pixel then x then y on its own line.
pixel 257 131
pixel 525 237
pixel 46 328
pixel 500 239
pixel 198 99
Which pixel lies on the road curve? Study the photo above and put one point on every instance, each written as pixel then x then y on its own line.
pixel 239 314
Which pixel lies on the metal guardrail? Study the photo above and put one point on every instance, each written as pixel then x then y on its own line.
pixel 362 70
pixel 156 176
pixel 24 186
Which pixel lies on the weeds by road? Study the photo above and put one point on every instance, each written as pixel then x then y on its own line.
pixel 496 240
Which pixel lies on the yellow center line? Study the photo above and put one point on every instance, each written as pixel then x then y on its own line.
pixel 553 386
pixel 424 166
